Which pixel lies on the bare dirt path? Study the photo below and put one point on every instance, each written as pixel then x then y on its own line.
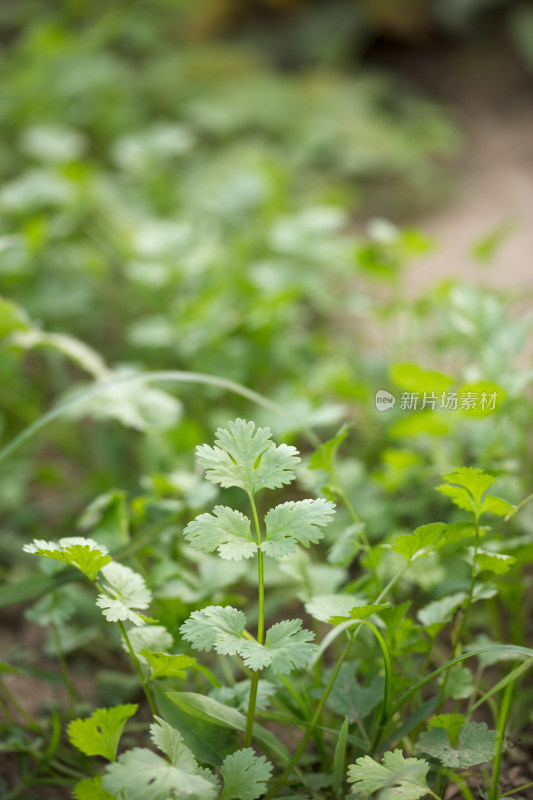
pixel 491 96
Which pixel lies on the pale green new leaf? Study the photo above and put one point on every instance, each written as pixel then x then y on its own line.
pixel 497 505
pixel 293 523
pixel 155 638
pixel 438 612
pixel 85 554
pixel 459 496
pixel 497 563
pixel 127 590
pixel 167 666
pixel 91 789
pixel 476 745
pixel 226 530
pixel 466 486
pixel 99 734
pixel 359 612
pixel 399 778
pixel 245 775
pixel 215 627
pixel 427 538
pixel 286 647
pixel 246 457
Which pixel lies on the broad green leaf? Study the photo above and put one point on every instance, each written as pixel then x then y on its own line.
pixel 439 612
pixel 227 531
pixel 126 590
pixel 245 775
pixel 91 789
pixel 85 554
pixel 325 606
pixel 238 695
pixel 349 699
pixel 167 666
pixel 324 457
pixel 155 638
pixel 347 545
pixel 215 627
pixel 208 740
pixel 99 734
pixel 293 523
pixel 486 561
pixel 460 682
pixel 476 745
pixel 452 724
pixel 287 647
pixel 140 773
pixel 210 710
pixel 396 776
pixel 246 457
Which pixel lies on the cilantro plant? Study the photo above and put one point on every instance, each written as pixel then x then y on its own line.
pixel 359 701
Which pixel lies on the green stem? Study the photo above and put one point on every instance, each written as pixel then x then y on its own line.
pixel 387 690
pixel 502 722
pixel 260 626
pixel 517 789
pixel 137 665
pixel 457 638
pixel 72 696
pixel 309 732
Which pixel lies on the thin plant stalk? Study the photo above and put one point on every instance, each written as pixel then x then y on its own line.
pixel 138 669
pixel 502 722
pixel 260 627
pixel 71 691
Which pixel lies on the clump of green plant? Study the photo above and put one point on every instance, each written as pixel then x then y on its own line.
pixel 344 717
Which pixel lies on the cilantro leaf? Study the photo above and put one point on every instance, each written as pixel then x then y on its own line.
pixel 227 531
pixel 397 776
pixel 245 775
pixel 324 457
pixel 85 554
pixel 91 789
pixel 497 563
pixel 246 457
pixel 126 590
pixel 466 486
pixel 359 612
pixel 286 647
pixel 325 606
pixel 155 638
pixel 167 666
pixel 427 538
pixel 140 773
pixel 476 745
pixel 293 523
pixel 99 734
pixel 349 699
pixel 215 627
